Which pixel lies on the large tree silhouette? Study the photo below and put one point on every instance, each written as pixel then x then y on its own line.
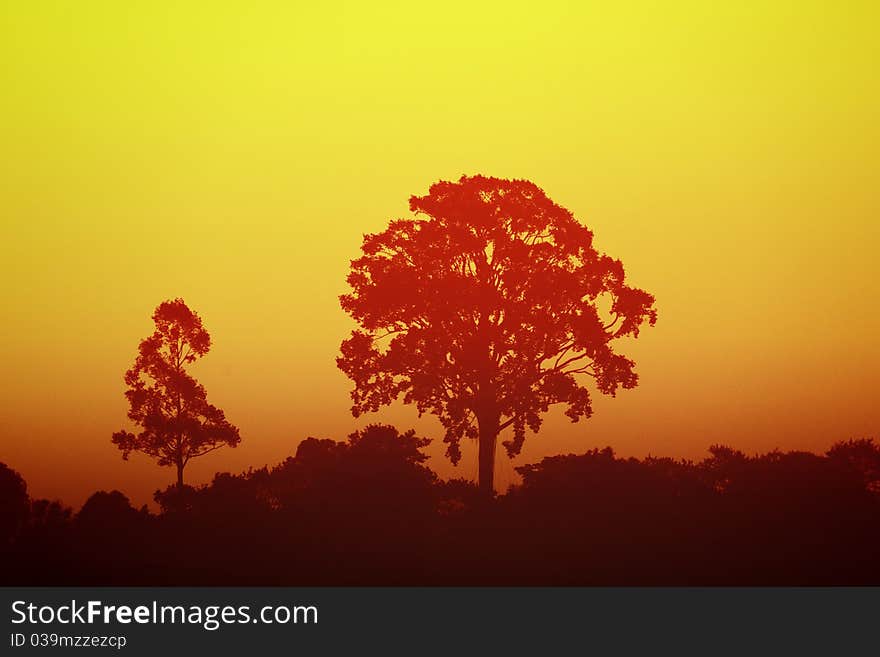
pixel 171 407
pixel 484 310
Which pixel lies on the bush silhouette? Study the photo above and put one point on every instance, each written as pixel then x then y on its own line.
pixel 14 505
pixel 368 510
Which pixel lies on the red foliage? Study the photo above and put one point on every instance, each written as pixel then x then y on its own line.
pixel 171 407
pixel 484 310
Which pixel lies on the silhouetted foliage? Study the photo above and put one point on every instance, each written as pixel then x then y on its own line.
pixel 105 514
pixel 14 503
pixel 861 456
pixel 493 301
pixel 361 476
pixel 112 537
pixel 43 552
pixel 368 511
pixel 171 407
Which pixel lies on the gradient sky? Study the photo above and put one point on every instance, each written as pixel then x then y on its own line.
pixel 233 154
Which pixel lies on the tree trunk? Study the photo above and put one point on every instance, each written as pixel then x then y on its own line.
pixel 488 425
pixel 179 475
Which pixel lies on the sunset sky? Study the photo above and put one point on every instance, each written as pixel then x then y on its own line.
pixel 234 154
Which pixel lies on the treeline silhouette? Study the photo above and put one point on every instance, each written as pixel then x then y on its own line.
pixel 369 511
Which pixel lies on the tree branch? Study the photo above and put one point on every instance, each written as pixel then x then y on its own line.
pixel 502 427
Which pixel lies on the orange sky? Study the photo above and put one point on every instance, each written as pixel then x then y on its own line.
pixel 234 156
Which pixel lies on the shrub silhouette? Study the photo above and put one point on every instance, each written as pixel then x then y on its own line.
pixel 368 510
pixel 110 537
pixel 14 504
pixel 861 457
pixel 366 473
pixel 45 552
pixel 106 515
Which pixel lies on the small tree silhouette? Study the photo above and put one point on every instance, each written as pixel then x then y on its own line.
pixel 494 303
pixel 178 424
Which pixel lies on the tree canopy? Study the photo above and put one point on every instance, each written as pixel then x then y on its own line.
pixel 171 407
pixel 485 309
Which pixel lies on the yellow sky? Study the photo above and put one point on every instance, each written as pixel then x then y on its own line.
pixel 234 154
